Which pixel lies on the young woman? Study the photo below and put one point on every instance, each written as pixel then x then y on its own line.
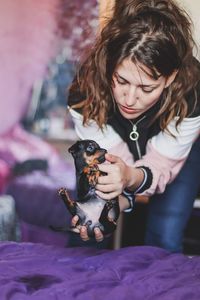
pixel 137 94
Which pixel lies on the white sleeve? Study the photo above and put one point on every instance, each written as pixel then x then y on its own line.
pixel 107 137
pixel 165 154
pixel 179 146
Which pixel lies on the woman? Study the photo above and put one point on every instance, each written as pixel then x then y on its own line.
pixel 137 94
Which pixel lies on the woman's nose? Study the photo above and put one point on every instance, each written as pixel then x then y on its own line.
pixel 131 96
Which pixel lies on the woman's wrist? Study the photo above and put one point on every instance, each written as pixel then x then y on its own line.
pixel 127 198
pixel 141 185
pixel 123 203
pixel 136 177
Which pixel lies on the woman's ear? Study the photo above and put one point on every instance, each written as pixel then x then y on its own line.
pixel 171 78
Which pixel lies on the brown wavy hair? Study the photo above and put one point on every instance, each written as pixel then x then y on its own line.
pixel 154 33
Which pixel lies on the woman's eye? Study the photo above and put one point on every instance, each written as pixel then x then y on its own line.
pixel 121 81
pixel 147 90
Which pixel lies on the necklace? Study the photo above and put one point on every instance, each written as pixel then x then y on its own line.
pixel 134 135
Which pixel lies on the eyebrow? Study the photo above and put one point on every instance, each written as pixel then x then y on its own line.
pixel 117 74
pixel 140 85
pixel 149 85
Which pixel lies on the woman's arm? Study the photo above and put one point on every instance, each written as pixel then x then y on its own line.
pixel 113 143
pixel 164 158
pixel 166 154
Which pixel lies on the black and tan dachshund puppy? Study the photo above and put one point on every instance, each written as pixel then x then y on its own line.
pixel 92 210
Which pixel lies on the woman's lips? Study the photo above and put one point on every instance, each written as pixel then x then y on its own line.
pixel 129 110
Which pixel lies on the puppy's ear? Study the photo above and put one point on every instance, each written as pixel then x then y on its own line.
pixel 74 149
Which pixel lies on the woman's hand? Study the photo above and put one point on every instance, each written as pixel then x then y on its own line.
pixel 83 231
pixel 119 176
pixel 123 204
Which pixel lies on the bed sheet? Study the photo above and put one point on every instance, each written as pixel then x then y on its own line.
pixel 40 272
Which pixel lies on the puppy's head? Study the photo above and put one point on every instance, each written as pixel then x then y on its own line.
pixel 87 152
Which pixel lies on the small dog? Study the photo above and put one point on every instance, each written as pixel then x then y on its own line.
pixel 92 210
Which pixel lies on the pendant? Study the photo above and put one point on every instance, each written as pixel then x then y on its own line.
pixel 134 135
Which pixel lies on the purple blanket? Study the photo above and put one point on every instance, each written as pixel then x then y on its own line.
pixel 36 271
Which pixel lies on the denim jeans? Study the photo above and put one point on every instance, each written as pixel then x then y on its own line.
pixel 169 212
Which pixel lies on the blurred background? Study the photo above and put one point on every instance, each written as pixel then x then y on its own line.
pixel 40 44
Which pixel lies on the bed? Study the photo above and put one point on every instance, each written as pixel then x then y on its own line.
pixel 38 271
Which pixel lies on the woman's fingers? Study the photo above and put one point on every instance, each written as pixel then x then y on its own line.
pixel 74 220
pixel 112 158
pixel 116 178
pixel 98 235
pixel 109 169
pixel 107 196
pixel 83 233
pixel 107 188
pixel 82 229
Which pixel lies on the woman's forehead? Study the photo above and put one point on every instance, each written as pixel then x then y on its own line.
pixel 130 69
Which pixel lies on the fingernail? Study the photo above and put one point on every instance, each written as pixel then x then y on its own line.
pixel 83 229
pixel 97 230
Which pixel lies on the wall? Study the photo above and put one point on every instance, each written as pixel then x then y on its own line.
pixel 27 39
pixel 193 8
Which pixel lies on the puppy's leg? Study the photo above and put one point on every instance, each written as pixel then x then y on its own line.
pixel 108 223
pixel 71 205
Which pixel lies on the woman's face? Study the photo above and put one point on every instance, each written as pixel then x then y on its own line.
pixel 134 90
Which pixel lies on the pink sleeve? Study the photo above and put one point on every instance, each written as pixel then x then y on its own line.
pixel 121 150
pixel 164 169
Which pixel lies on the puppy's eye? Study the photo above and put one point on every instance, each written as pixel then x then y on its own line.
pixel 90 149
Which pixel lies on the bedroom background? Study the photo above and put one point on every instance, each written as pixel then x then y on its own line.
pixel 41 41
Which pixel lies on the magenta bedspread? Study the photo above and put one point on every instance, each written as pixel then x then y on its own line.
pixel 36 271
